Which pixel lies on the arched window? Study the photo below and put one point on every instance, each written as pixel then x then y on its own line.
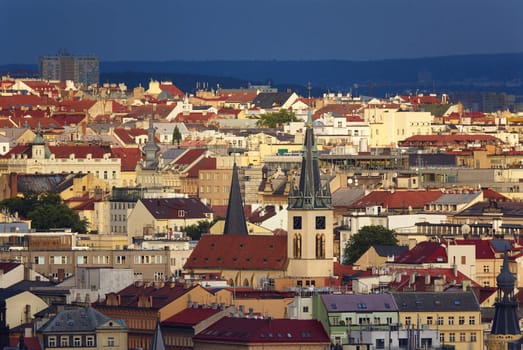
pixel 320 246
pixel 297 245
pixel 246 282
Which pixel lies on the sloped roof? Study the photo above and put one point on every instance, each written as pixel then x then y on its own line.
pixel 456 198
pixel 206 163
pixel 434 302
pixel 172 89
pixel 190 156
pixel 358 302
pixel 129 157
pixel 191 316
pixel 176 208
pixel 39 183
pixel 160 297
pixel 483 248
pixel 447 274
pixel 80 151
pixel 507 209
pixel 344 197
pixel 271 99
pixel 423 253
pixel 390 250
pixel 76 319
pixel 397 199
pixel 249 330
pixel 239 252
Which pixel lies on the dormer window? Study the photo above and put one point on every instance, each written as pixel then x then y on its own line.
pixel 181 213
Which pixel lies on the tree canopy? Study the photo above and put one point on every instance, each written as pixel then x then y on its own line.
pixel 365 238
pixel 195 231
pixel 276 119
pixel 177 136
pixel 46 211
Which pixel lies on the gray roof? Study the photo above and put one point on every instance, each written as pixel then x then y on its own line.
pixel 271 99
pixel 172 153
pixel 77 319
pixel 39 183
pixel 507 209
pixel 456 198
pixel 358 302
pixel 433 302
pixel 344 197
pixel 390 250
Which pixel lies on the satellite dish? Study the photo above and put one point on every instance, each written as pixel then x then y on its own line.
pixel 465 229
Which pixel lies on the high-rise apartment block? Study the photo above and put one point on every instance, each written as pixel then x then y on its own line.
pixel 80 69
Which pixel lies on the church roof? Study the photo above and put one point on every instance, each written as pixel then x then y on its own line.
pixel 239 252
pixel 235 223
pixel 157 342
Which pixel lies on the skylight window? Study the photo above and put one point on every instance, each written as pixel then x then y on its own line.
pixel 362 306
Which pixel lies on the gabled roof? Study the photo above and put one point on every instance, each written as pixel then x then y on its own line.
pixel 191 316
pixel 248 330
pixel 397 199
pixel 239 252
pixel 434 302
pixel 358 302
pixel 455 198
pixel 189 156
pixel 172 89
pixel 448 275
pixel 176 208
pixel 424 253
pixel 271 99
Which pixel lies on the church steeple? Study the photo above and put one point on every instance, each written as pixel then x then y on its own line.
pixel 157 342
pixel 235 223
pixel 4 328
pixel 150 149
pixel 310 193
pixel 505 317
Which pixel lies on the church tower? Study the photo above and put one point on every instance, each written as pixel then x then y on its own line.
pixel 310 217
pixel 505 326
pixel 38 148
pixel 150 149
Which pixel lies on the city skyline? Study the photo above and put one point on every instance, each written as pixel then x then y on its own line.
pixel 290 30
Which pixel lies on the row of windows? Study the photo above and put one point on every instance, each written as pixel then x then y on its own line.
pixel 217 189
pixel 336 321
pixel 119 259
pixel 319 246
pixel 462 337
pixel 120 205
pixel 209 176
pixel 441 320
pixel 52 341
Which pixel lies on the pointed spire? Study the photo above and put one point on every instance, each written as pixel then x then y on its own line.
pixel 505 317
pixel 310 193
pixel 235 222
pixel 157 343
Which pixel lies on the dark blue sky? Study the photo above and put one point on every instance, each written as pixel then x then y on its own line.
pixel 263 29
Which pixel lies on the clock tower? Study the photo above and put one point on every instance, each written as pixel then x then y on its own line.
pixel 310 231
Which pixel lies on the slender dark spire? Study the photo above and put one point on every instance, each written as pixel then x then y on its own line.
pixel 310 193
pixel 4 328
pixel 505 318
pixel 235 223
pixel 150 149
pixel 157 343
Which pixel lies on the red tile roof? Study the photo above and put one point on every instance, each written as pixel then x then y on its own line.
pixel 160 296
pixel 129 157
pixel 190 156
pixel 248 330
pixel 397 199
pixel 18 101
pixel 123 135
pixel 420 285
pixel 75 105
pixel 69 119
pixel 8 266
pixel 240 97
pixel 337 108
pixel 422 99
pixel 424 253
pixel 195 117
pixel 32 342
pixel 220 211
pixel 86 204
pixel 206 163
pixel 172 89
pixel 38 121
pixel 80 151
pixel 190 316
pixel 482 246
pixel 488 193
pixel 239 252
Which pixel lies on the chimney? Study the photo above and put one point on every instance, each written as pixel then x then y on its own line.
pixel 412 279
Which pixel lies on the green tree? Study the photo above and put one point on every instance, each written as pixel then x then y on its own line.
pixel 195 231
pixel 276 119
pixel 177 136
pixel 365 238
pixel 46 211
